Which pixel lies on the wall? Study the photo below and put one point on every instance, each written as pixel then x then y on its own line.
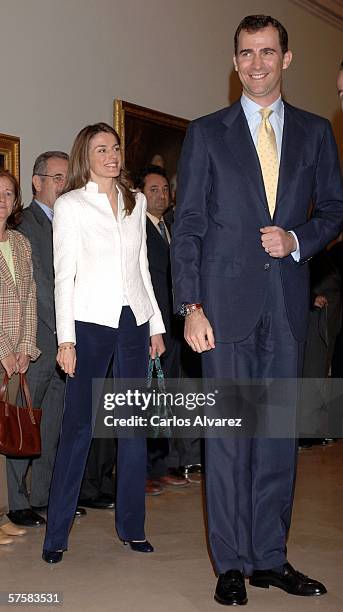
pixel 65 60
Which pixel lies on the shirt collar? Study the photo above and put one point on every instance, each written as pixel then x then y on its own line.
pixel 154 219
pixel 46 209
pixel 250 107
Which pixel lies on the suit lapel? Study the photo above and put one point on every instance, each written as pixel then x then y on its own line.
pixel 5 273
pixel 46 224
pixel 238 140
pixel 293 139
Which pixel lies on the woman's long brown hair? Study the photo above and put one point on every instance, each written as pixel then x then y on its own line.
pixel 79 169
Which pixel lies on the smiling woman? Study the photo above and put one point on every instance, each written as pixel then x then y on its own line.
pixel 105 308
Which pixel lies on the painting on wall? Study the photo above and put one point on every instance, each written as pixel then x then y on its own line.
pixel 10 154
pixel 148 137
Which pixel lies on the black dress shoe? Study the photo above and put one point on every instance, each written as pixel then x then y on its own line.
pixel 80 511
pixel 231 589
pixel 26 518
pixel 103 502
pixel 144 547
pixel 52 556
pixel 289 580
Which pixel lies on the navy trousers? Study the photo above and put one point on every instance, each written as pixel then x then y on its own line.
pixel 96 345
pixel 250 481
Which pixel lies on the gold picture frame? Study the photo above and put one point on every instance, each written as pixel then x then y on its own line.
pixel 146 134
pixel 10 154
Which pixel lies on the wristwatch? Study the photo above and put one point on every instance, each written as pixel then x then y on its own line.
pixel 187 309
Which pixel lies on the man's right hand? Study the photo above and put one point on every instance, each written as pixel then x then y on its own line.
pixel 198 332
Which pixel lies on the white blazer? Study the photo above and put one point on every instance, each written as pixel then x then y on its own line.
pixel 100 263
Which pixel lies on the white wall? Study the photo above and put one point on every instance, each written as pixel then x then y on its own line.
pixel 64 61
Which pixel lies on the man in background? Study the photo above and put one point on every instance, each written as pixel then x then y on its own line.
pixel 153 182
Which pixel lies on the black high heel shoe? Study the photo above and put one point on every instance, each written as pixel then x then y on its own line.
pixel 52 556
pixel 144 547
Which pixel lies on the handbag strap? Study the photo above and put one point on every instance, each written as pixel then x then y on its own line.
pixel 25 390
pixel 4 389
pixel 156 363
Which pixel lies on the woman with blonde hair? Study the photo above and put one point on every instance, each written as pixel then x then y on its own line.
pixel 105 308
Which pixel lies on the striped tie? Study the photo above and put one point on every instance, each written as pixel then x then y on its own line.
pixel 162 228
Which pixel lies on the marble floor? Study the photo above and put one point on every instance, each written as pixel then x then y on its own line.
pixel 99 573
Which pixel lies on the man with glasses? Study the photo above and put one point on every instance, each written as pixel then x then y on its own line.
pixel 46 381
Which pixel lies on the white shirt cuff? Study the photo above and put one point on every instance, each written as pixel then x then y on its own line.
pixel 295 254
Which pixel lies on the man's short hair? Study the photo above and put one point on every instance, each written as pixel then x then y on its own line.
pixel 152 169
pixel 41 162
pixel 253 23
pixel 341 66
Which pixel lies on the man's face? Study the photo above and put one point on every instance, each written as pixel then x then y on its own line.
pixel 156 191
pixel 340 87
pixel 48 188
pixel 259 63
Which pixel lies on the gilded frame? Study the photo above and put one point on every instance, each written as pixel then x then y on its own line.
pixel 10 154
pixel 141 129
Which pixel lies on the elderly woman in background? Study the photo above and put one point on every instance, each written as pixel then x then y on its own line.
pixel 18 318
pixel 105 309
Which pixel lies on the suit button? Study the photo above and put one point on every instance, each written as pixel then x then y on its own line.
pixel 266 266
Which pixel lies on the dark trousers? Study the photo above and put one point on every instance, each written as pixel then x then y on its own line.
pixel 250 481
pixel 47 387
pixel 96 345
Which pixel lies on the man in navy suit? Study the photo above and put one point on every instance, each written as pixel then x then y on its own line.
pixel 248 177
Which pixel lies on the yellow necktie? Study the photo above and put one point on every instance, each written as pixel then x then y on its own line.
pixel 267 153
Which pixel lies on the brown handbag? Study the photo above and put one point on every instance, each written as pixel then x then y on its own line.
pixel 19 425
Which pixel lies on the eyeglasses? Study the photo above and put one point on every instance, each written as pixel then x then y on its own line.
pixel 57 178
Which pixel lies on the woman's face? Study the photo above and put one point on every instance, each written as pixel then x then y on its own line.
pixel 104 157
pixel 7 197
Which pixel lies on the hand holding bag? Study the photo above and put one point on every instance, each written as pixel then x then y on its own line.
pixel 163 409
pixel 19 425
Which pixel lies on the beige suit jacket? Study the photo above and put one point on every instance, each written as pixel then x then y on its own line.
pixel 18 307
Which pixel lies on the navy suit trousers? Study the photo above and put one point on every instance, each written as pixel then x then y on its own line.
pixel 250 481
pixel 95 346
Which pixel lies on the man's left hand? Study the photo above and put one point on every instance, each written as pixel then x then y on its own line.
pixel 277 242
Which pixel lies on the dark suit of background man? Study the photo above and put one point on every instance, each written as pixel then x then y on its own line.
pixel 233 252
pixel 46 381
pixel 153 182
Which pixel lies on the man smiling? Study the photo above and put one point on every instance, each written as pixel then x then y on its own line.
pixel 248 177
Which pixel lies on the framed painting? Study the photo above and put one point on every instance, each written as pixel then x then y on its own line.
pixel 148 137
pixel 10 154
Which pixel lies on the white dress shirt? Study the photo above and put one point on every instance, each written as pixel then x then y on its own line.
pixel 101 262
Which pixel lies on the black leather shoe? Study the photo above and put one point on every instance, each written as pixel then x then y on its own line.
pixel 231 589
pixel 289 580
pixel 80 511
pixel 52 556
pixel 143 547
pixel 103 502
pixel 26 518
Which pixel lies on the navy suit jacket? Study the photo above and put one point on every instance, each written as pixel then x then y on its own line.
pixel 217 256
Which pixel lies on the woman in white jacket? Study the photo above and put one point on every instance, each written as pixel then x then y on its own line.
pixel 105 308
